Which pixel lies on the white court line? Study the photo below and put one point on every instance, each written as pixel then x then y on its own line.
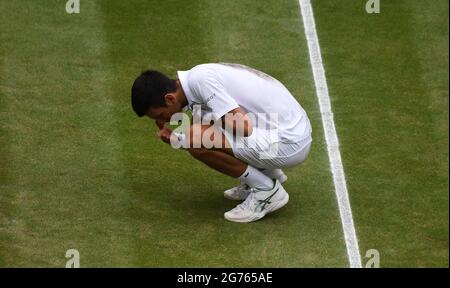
pixel 330 134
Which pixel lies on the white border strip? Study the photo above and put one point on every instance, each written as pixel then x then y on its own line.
pixel 330 134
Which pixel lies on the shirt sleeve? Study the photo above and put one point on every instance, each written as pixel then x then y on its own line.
pixel 213 94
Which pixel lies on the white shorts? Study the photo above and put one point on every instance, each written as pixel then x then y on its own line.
pixel 260 150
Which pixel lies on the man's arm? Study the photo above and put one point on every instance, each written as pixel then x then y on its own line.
pixel 210 90
pixel 237 121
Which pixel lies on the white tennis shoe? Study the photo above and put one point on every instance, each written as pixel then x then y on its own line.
pixel 258 204
pixel 242 191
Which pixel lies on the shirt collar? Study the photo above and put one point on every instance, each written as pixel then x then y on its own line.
pixel 183 77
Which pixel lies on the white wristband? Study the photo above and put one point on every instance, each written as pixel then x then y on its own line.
pixel 181 143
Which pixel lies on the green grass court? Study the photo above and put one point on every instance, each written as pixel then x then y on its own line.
pixel 80 170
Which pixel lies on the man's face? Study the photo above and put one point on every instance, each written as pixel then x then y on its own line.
pixel 160 114
pixel 163 114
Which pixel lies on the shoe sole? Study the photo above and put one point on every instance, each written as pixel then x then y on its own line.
pixel 258 216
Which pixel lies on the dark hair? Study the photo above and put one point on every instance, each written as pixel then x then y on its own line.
pixel 149 89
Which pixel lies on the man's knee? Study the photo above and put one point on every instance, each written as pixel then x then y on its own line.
pixel 206 136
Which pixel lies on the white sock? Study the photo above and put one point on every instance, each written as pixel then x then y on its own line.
pixel 256 179
pixel 273 173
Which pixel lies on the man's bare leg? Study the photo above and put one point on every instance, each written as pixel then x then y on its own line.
pixel 265 196
pixel 221 157
pixel 220 161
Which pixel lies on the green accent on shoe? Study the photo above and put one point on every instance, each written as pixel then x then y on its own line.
pixel 262 203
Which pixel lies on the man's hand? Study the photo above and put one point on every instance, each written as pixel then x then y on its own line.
pixel 160 124
pixel 165 134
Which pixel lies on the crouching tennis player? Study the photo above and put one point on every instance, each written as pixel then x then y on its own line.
pixel 244 123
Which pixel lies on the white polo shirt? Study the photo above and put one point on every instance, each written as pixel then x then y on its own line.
pixel 220 88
